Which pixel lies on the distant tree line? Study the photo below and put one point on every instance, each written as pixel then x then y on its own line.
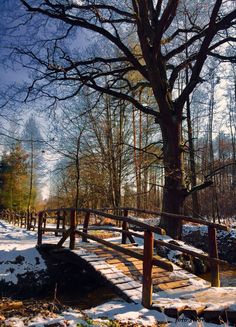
pixel 19 168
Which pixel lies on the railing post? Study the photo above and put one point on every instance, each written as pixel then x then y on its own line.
pixel 124 227
pixel 40 233
pixel 58 222
pixel 85 227
pixel 64 221
pixel 73 227
pixel 213 253
pixel 147 269
pixel 44 221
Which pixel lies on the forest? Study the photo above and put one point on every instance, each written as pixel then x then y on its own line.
pixel 117 109
pixel 117 162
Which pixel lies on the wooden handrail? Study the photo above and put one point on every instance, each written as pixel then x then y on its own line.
pixel 195 220
pixel 129 220
pixel 146 211
pixel 147 256
pixel 172 215
pixel 166 244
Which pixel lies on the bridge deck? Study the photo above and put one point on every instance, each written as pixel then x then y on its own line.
pixel 173 292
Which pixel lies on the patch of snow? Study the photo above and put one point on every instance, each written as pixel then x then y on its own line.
pixel 18 254
pixel 127 313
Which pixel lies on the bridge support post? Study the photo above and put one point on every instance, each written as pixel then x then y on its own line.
pixel 85 226
pixel 73 227
pixel 147 269
pixel 40 232
pixel 213 253
pixel 124 228
pixel 58 222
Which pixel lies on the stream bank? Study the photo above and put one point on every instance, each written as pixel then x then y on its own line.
pixel 71 284
pixel 226 241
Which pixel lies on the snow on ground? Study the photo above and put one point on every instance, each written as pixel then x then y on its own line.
pixel 18 255
pixel 188 229
pixel 122 313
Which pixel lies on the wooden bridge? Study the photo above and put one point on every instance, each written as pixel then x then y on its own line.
pixel 136 272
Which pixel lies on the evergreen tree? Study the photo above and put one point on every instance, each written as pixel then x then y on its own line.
pixel 14 179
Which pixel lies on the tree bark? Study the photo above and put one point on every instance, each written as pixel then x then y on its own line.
pixel 174 189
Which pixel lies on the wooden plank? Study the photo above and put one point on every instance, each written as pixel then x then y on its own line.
pixel 147 269
pixel 137 292
pixel 115 261
pixel 94 259
pixel 108 271
pixel 195 220
pixel 202 256
pixel 166 279
pixel 115 275
pixel 64 238
pixel 213 253
pixel 120 280
pixel 124 228
pixel 152 212
pixel 99 266
pixel 40 232
pixel 56 230
pixel 72 227
pixel 128 286
pixel 85 226
pixel 172 285
pixel 181 274
pixel 162 263
pixel 125 268
pixel 129 245
pixel 159 272
pixel 129 220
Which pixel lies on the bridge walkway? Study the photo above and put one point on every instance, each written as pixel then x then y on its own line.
pixel 174 293
pixel 137 273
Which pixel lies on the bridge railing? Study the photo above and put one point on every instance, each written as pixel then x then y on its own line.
pixel 21 219
pixel 64 222
pixel 212 257
pixel 69 229
pixel 85 231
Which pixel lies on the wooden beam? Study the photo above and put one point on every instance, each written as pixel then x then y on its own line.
pixel 150 212
pixel 40 232
pixel 147 269
pixel 72 227
pixel 195 220
pixel 192 253
pixel 129 220
pixel 124 228
pixel 64 238
pixel 213 253
pixel 85 226
pixel 56 230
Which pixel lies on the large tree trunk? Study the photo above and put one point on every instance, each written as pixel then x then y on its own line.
pixel 174 188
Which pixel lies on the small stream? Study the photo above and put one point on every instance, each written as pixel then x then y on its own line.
pixel 86 300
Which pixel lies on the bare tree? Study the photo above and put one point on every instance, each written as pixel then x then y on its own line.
pixel 159 34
